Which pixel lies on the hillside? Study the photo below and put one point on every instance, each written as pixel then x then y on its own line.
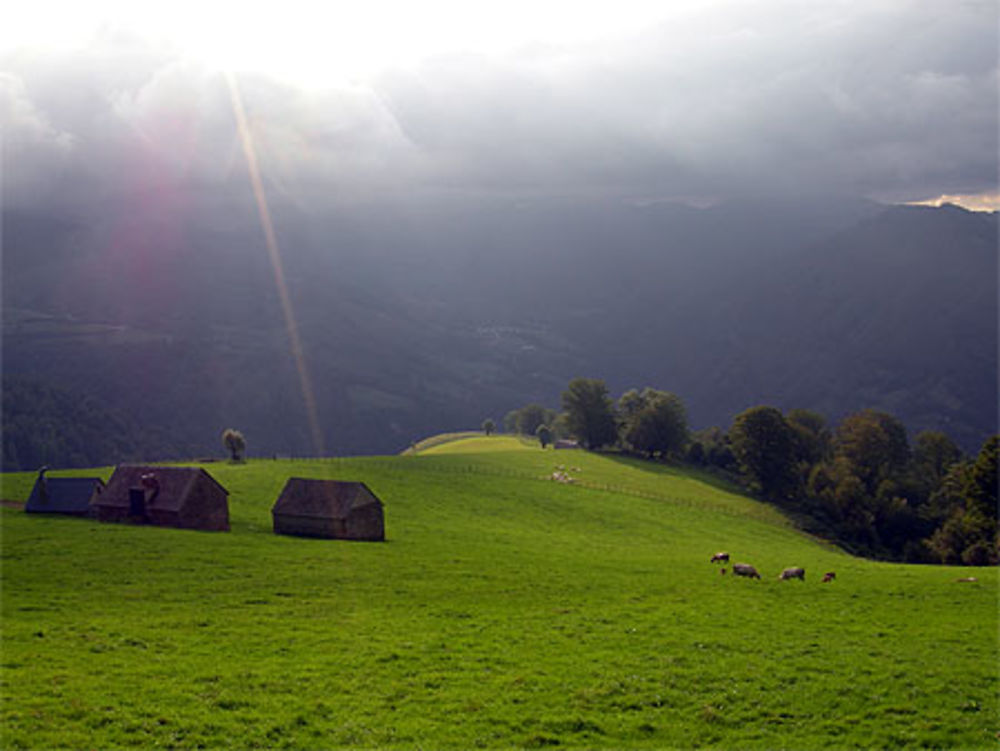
pixel 417 318
pixel 504 610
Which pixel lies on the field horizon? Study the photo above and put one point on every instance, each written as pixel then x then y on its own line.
pixel 505 609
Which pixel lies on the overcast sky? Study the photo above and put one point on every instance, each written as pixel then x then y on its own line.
pixel 636 100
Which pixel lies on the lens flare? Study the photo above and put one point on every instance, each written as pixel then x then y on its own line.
pixel 271 240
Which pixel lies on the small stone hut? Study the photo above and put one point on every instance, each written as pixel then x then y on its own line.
pixel 184 497
pixel 63 495
pixel 330 509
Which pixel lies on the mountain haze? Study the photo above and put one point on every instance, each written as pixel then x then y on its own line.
pixel 419 316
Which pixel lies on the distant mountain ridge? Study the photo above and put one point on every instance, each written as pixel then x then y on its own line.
pixel 423 318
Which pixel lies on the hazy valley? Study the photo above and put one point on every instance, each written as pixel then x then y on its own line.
pixel 423 316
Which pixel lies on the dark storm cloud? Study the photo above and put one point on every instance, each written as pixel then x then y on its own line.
pixel 880 102
pixel 893 100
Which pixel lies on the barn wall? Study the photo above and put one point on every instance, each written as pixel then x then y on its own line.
pixel 205 507
pixel 36 506
pixel 188 498
pixel 206 511
pixel 366 523
pixel 162 518
pixel 305 526
pixel 110 513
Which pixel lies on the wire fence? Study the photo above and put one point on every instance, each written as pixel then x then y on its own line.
pixel 452 470
pixel 389 468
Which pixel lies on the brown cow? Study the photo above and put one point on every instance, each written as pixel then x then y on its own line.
pixel 720 557
pixel 793 573
pixel 745 569
pixel 829 576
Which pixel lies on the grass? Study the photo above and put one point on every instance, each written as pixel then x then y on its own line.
pixel 439 440
pixel 504 610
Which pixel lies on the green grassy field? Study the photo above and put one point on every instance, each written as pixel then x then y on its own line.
pixel 504 610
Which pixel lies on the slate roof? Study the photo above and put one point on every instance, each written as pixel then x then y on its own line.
pixel 63 495
pixel 327 499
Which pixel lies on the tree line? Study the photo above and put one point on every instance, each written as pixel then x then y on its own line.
pixel 861 482
pixel 46 424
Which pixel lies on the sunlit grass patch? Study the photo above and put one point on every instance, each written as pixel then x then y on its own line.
pixel 504 610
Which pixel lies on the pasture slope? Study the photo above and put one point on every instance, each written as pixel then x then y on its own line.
pixel 504 610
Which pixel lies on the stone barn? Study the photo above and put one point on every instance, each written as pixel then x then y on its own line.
pixel 63 495
pixel 330 509
pixel 184 497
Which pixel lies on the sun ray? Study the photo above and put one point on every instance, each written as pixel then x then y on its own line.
pixel 274 254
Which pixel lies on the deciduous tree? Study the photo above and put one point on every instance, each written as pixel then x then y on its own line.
pixel 590 414
pixel 653 422
pixel 530 416
pixel 874 444
pixel 235 443
pixel 526 419
pixel 763 444
pixel 934 453
pixel 811 435
pixel 969 535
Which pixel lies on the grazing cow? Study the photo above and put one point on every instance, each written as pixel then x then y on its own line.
pixel 745 569
pixel 829 576
pixel 967 579
pixel 793 573
pixel 720 557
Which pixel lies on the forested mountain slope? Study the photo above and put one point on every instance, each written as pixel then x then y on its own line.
pixel 417 318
